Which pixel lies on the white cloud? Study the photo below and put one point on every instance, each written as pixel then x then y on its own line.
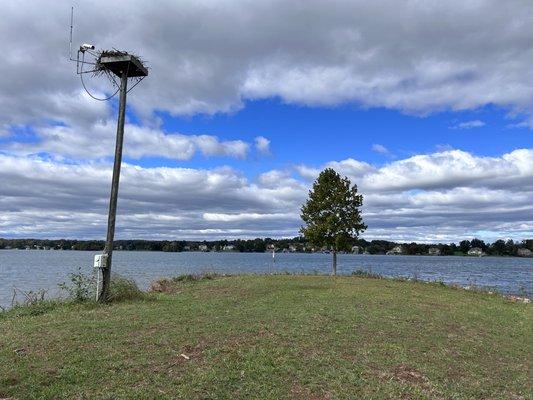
pixel 374 54
pixel 262 144
pixel 469 124
pixel 440 196
pixel 379 148
pixel 99 141
pixel 221 217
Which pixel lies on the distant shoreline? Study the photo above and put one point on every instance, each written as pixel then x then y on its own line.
pixel 474 247
pixel 278 252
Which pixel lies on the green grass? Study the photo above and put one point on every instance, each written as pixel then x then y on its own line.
pixel 273 337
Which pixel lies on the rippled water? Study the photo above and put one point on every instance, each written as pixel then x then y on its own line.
pixel 41 269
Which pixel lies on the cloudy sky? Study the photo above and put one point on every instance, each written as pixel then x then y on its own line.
pixel 426 105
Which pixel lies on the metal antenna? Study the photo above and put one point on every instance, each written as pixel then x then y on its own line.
pixel 80 62
pixel 71 26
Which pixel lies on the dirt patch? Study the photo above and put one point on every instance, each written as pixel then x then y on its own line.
pixel 405 373
pixel 164 286
pixel 193 352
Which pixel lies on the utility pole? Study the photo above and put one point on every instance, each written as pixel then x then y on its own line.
pixel 125 66
pixel 108 250
pixel 111 63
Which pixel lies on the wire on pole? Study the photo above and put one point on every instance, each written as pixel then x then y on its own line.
pixel 87 90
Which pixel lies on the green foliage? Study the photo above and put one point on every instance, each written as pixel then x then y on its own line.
pixel 464 246
pixel 332 213
pixel 478 243
pixel 366 274
pixel 33 309
pixel 122 288
pixel 81 286
pixel 174 284
pixel 195 277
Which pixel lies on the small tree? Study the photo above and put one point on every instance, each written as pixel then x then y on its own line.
pixel 332 216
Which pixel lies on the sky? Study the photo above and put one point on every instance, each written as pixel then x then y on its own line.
pixel 426 106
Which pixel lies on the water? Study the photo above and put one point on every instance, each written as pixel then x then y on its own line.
pixel 42 269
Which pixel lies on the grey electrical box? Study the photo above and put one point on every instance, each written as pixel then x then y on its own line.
pixel 100 261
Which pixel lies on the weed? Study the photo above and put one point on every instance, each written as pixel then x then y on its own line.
pixel 122 288
pixel 81 287
pixel 366 274
pixel 171 285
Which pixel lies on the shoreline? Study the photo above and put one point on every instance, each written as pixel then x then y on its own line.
pixel 278 253
pixel 162 282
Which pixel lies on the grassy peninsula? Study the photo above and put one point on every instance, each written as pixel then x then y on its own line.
pixel 273 337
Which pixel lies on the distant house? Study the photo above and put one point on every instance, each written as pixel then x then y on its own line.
pixel 228 247
pixel 395 250
pixel 434 251
pixel 203 247
pixel 292 248
pixel 476 251
pixel 355 249
pixel 523 252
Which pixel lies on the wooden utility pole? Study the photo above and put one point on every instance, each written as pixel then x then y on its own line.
pixel 108 250
pixel 125 66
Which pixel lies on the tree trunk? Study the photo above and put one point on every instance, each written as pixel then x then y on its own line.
pixel 334 265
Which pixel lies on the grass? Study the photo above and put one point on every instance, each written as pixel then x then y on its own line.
pixel 273 337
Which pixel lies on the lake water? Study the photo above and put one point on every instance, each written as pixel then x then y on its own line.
pixel 42 269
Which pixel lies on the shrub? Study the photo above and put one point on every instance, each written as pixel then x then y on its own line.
pixel 194 278
pixel 81 287
pixel 39 308
pixel 122 288
pixel 172 285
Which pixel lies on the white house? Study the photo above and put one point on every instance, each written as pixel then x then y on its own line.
pixel 522 252
pixel 203 247
pixel 476 251
pixel 434 251
pixel 395 250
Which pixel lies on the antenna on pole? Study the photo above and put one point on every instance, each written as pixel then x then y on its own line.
pixel 70 41
pixel 111 63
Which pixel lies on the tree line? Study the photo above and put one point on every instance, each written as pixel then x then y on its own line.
pixel 296 244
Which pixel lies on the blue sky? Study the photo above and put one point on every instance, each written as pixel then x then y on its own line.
pixel 246 102
pixel 316 135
